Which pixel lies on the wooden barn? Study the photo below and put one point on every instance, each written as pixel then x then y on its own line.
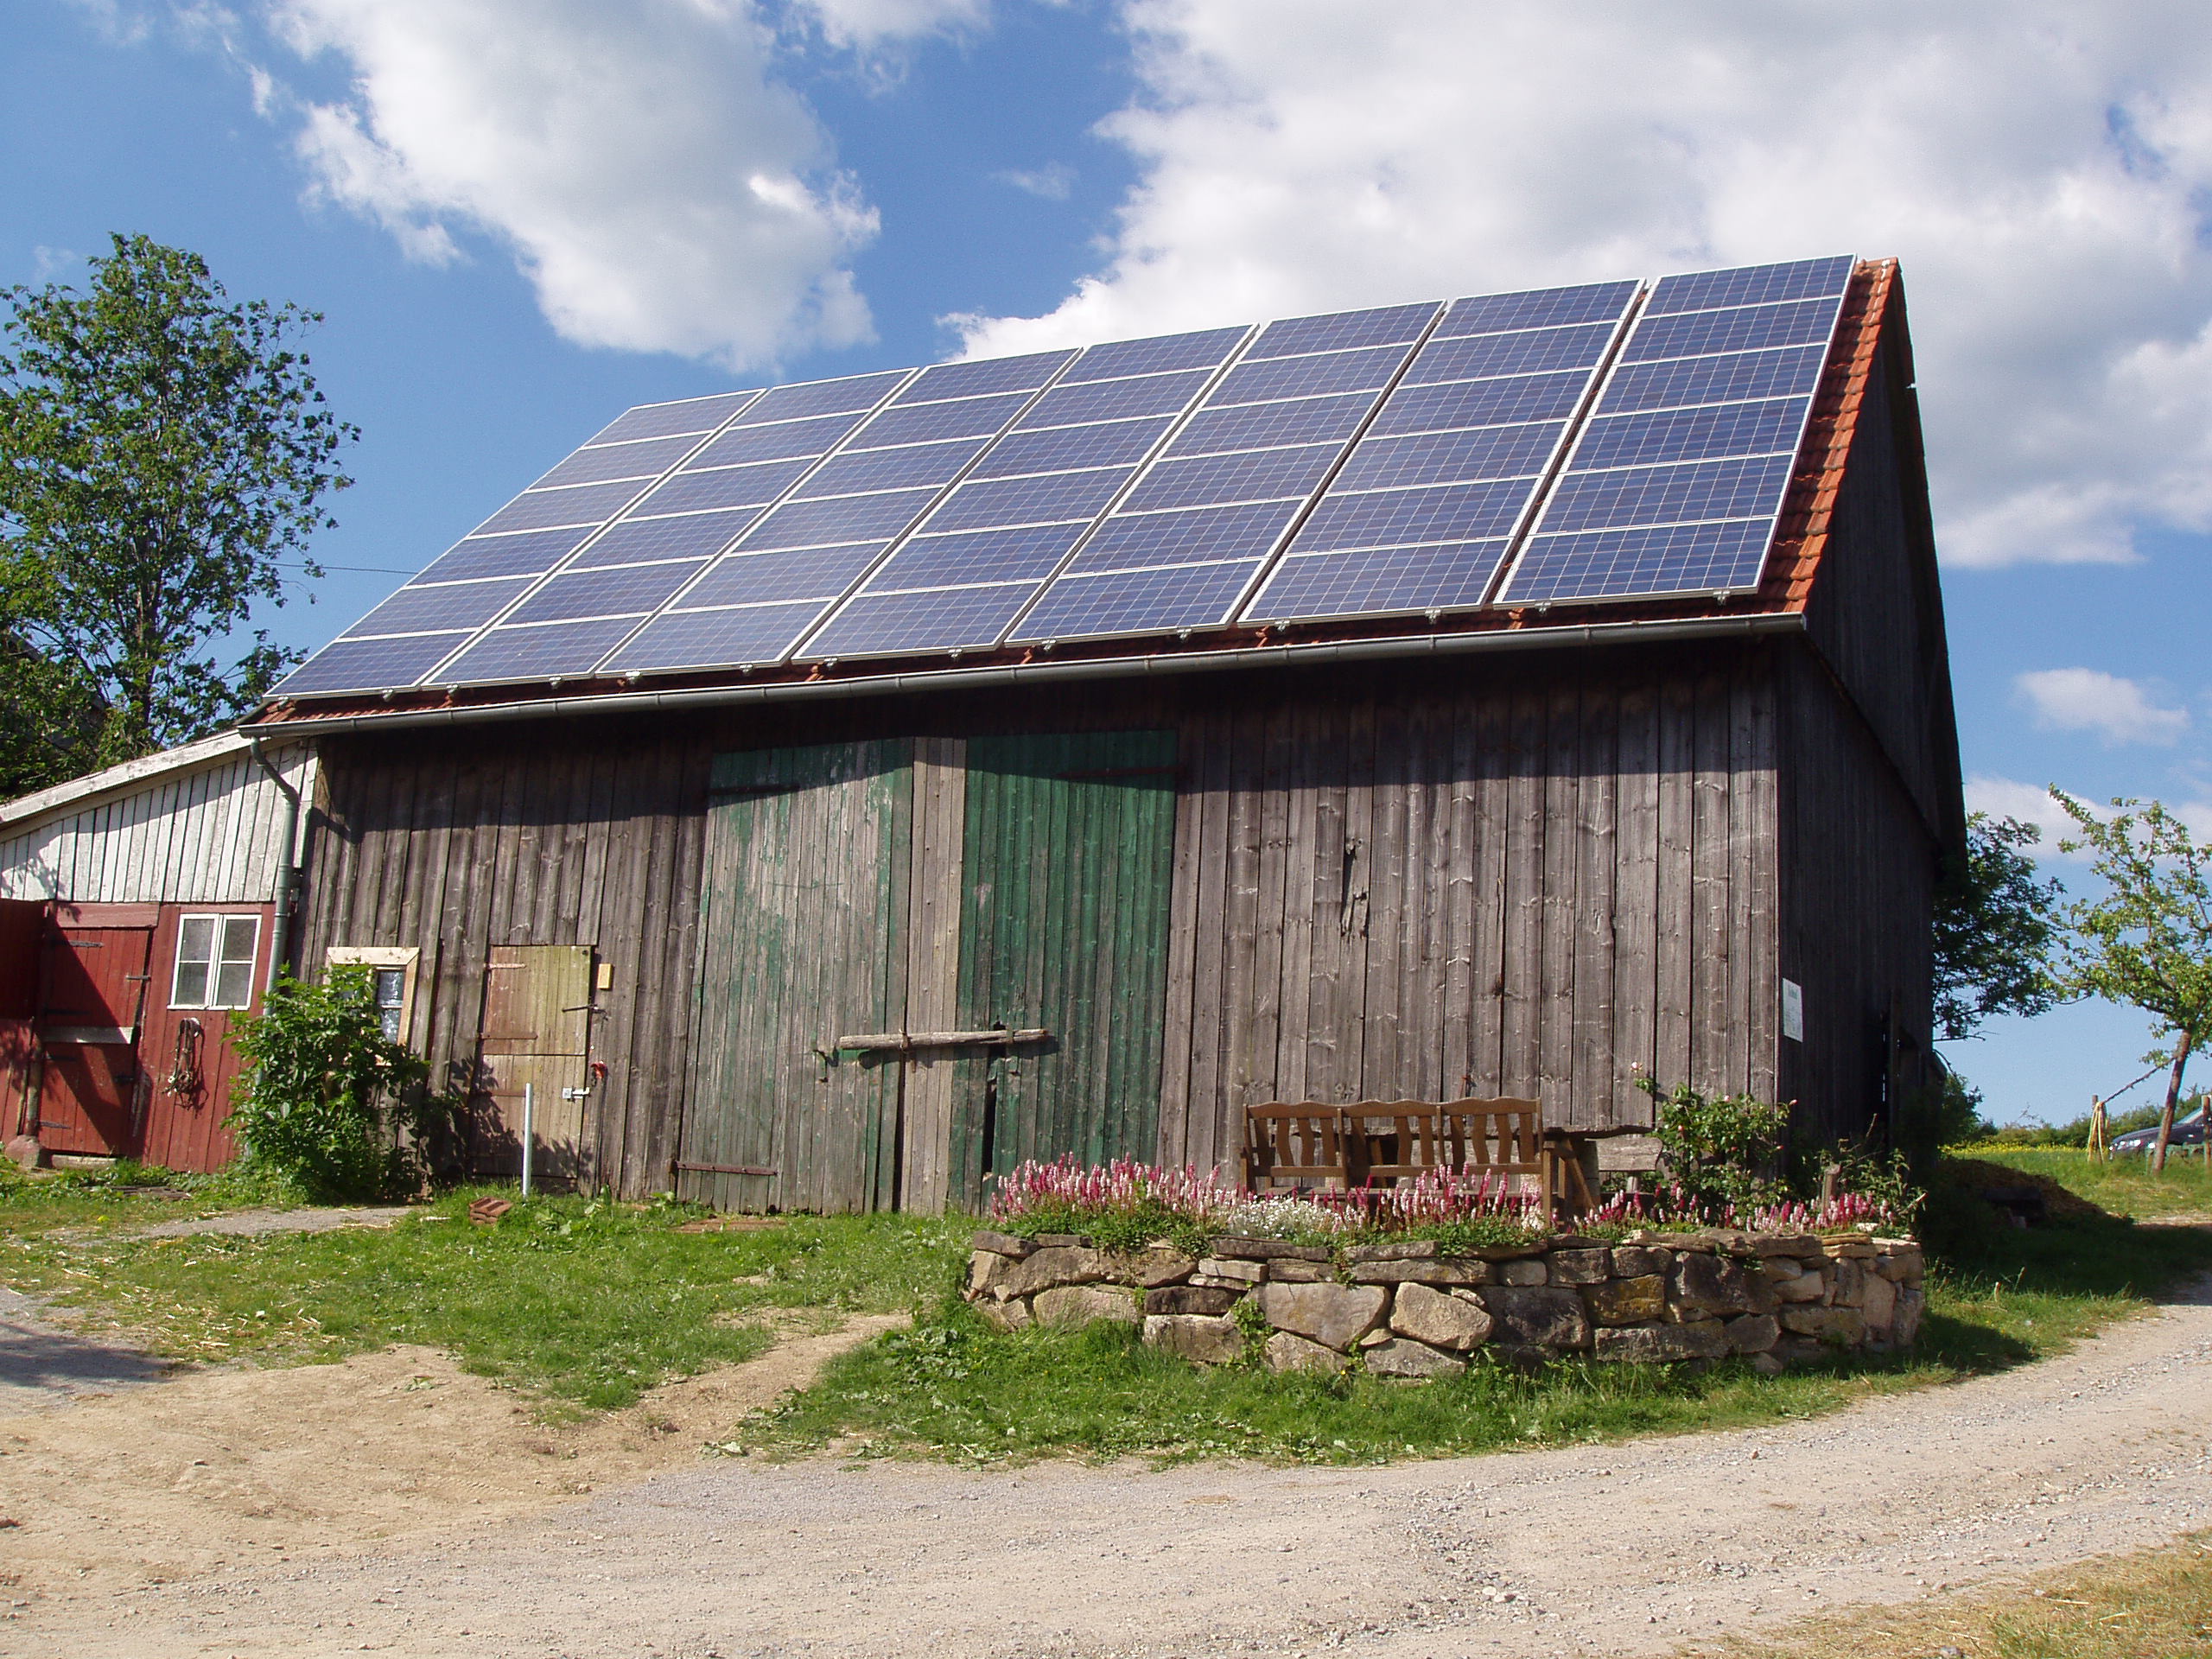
pixel 826 798
pixel 139 914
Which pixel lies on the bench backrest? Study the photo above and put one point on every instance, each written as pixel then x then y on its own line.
pixel 1295 1143
pixel 1377 1140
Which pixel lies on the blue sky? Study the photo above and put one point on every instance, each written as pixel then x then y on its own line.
pixel 521 218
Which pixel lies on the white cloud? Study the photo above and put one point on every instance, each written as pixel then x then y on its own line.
pixel 2041 167
pixel 1052 181
pixel 2001 797
pixel 2089 700
pixel 658 187
pixel 867 23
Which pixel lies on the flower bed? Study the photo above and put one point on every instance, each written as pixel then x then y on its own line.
pixel 1410 1282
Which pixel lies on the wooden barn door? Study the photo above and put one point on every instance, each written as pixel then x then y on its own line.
pixel 536 1034
pixel 801 930
pixel 93 990
pixel 1068 862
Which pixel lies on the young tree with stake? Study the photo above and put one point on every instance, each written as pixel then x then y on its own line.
pixel 162 450
pixel 2147 940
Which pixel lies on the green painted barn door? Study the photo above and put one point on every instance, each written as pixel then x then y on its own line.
pixel 802 901
pixel 1067 870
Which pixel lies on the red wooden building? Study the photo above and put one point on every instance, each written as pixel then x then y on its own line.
pixel 139 914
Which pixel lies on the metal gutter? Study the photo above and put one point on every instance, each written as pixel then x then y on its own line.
pixel 1166 663
pixel 280 922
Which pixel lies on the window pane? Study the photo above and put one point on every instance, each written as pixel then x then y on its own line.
pixel 392 986
pixel 239 933
pixel 234 985
pixel 388 1021
pixel 191 985
pixel 195 940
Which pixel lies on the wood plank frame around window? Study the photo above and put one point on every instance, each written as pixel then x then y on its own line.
pixel 405 957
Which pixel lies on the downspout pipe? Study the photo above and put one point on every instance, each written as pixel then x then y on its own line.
pixel 280 926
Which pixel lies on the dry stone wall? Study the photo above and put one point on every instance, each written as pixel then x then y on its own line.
pixel 1407 1310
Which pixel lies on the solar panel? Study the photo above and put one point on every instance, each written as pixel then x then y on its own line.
pixel 1427 506
pixel 1676 479
pixel 1507 448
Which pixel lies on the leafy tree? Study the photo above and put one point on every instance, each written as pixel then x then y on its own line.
pixel 1996 927
pixel 2148 939
pixel 161 450
pixel 50 720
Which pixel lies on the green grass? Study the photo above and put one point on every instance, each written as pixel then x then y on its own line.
pixel 588 1304
pixel 2123 1184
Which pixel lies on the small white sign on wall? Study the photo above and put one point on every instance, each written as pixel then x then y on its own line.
pixel 1792 1010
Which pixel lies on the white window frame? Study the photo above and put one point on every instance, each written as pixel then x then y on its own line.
pixel 217 961
pixel 405 957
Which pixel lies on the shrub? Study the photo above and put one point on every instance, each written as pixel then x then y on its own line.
pixel 324 1099
pixel 1722 1153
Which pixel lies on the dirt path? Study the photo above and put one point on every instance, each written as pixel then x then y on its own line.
pixel 1616 1550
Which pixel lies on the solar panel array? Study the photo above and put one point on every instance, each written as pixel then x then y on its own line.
pixel 1553 445
pixel 1677 478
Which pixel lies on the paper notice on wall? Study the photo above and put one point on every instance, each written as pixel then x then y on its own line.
pixel 1792 1010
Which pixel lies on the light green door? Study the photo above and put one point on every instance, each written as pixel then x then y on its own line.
pixel 1066 872
pixel 801 941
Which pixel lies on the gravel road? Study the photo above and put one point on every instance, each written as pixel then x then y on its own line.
pixel 1616 1550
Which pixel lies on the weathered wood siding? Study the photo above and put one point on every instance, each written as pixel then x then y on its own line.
pixel 1522 883
pixel 558 834
pixel 206 836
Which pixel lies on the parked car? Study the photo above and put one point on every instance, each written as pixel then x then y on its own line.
pixel 2188 1132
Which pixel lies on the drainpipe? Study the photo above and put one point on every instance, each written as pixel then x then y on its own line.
pixel 280 926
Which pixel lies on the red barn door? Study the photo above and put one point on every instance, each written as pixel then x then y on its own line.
pixel 92 996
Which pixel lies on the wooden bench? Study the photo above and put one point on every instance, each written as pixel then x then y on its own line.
pixel 1374 1142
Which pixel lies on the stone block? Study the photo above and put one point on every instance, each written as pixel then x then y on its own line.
pixel 1705 1286
pixel 1404 1249
pixel 1003 1244
pixel 1848 1288
pixel 1063 1241
pixel 1662 1343
pixel 1288 1272
pixel 1207 1281
pixel 1169 1300
pixel 1510 1252
pixel 1336 1316
pixel 1267 1250
pixel 984 1267
pixel 1877 1302
pixel 1588 1266
pixel 1236 1270
pixel 1398 1358
pixel 1067 1305
pixel 1772 1245
pixel 1195 1337
pixel 1003 1316
pixel 1627 1301
pixel 1903 1266
pixel 1546 1317
pixel 1840 1327
pixel 1810 1286
pixel 1439 1318
pixel 1699 1241
pixel 1636 1260
pixel 1848 1250
pixel 1287 1352
pixel 1905 1326
pixel 1779 1267
pixel 1155 1265
pixel 1753 1333
pixel 1054 1265
pixel 1530 1272
pixel 1413 1272
pixel 1767 1365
